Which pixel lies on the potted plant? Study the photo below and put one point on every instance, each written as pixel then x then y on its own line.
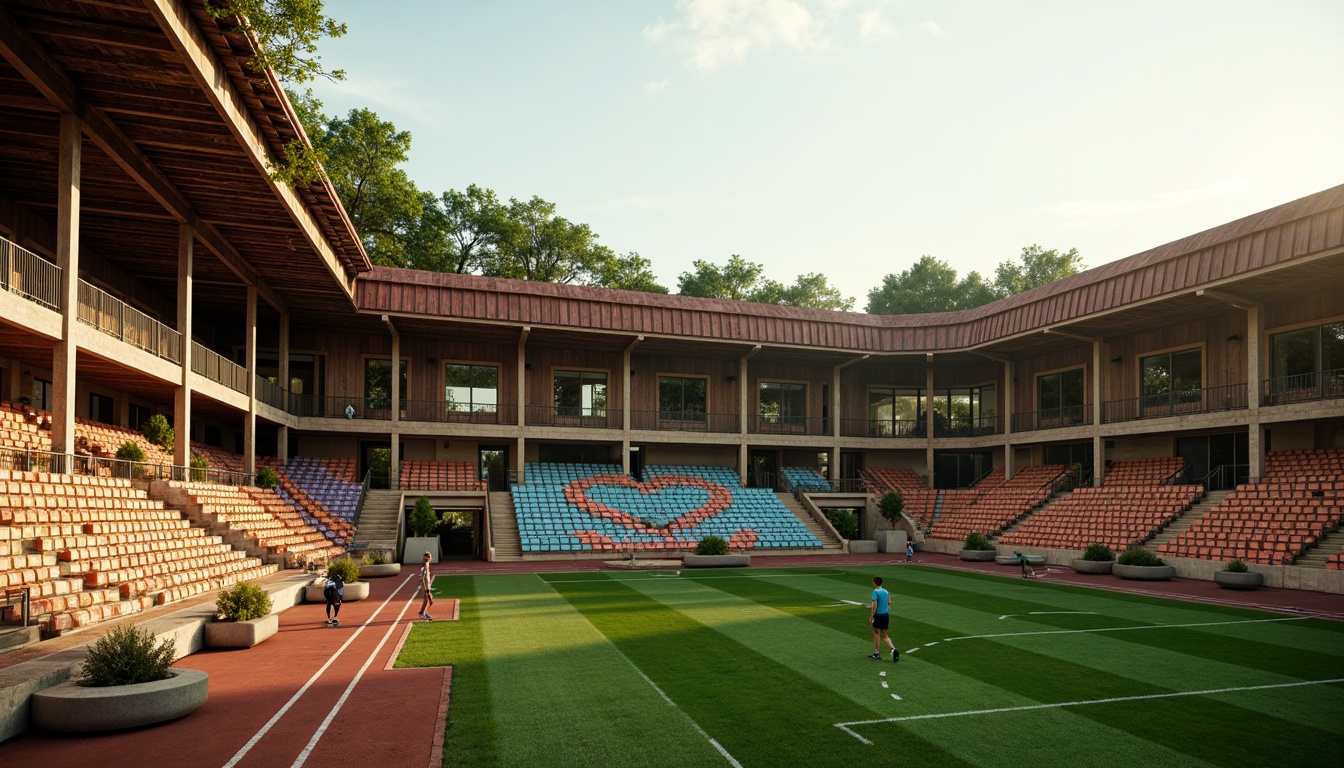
pixel 128 682
pixel 1098 558
pixel 349 572
pixel 892 508
pixel 156 430
pixel 266 478
pixel 977 548
pixel 1235 575
pixel 378 563
pixel 198 466
pixel 422 523
pixel 243 617
pixel 1141 565
pixel 134 456
pixel 713 552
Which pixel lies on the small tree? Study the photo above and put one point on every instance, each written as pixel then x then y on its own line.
pixel 198 467
pixel 243 601
pixel 267 478
pixel 976 541
pixel 891 505
pixel 156 430
pixel 127 655
pixel 130 451
pixel 423 518
pixel 711 545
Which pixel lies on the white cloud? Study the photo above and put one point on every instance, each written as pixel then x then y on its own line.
pixel 1087 211
pixel 874 26
pixel 654 86
pixel 931 28
pixel 714 33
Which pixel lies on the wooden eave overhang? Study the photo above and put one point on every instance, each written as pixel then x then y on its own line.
pixel 1286 251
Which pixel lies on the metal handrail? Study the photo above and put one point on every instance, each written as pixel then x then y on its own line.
pixel 1321 385
pixel 1228 397
pixel 29 275
pixel 121 321
pixel 27 460
pixel 218 368
pixel 1053 418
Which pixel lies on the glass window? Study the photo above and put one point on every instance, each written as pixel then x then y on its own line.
pixel 1171 378
pixel 681 398
pixel 1061 398
pixel 581 393
pixel 893 411
pixel 783 403
pixel 378 383
pixel 471 388
pixel 1308 359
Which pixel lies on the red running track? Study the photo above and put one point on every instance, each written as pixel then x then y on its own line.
pixel 310 695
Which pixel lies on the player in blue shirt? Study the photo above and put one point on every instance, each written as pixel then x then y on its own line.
pixel 880 618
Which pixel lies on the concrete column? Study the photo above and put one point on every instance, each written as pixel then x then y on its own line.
pixel 1009 405
pixel 626 376
pixel 743 407
pixel 186 269
pixel 833 465
pixel 67 259
pixel 522 392
pixel 282 357
pixel 13 380
pixel 1254 360
pixel 250 360
pixel 394 465
pixel 625 456
pixel 1098 460
pixel 520 460
pixel 928 420
pixel 1256 449
pixel 1098 392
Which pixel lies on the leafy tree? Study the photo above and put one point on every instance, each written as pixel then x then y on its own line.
pixel 630 272
pixel 362 153
pixel 1039 267
pixel 536 244
pixel 473 222
pixel 742 280
pixel 929 285
pixel 288 32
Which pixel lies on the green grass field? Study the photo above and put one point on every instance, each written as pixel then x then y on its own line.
pixel 761 667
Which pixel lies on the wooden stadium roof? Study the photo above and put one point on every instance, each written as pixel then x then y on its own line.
pixel 176 129
pixel 1287 251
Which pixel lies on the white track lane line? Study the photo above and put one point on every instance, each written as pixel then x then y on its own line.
pixel 1118 629
pixel 322 729
pixel 847 729
pixel 252 742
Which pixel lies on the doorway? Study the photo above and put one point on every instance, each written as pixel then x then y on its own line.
pixel 1218 462
pixel 762 467
pixel 375 460
pixel 637 463
pixel 958 469
pixel 494 466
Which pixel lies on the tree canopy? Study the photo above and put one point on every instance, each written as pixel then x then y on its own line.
pixel 288 32
pixel 931 285
pixel 742 280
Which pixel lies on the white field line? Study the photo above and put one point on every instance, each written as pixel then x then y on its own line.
pixel 847 727
pixel 692 578
pixel 1118 629
pixel 1047 613
pixel 322 729
pixel 252 742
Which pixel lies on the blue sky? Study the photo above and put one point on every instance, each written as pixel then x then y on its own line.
pixel 850 137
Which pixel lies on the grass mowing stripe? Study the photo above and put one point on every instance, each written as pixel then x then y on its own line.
pixel 470 735
pixel 564 696
pixel 763 712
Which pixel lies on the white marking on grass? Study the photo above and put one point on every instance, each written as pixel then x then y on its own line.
pixel 1117 629
pixel 935 642
pixel 885 685
pixel 846 727
pixel 842 604
pixel 881 674
pixel 252 742
pixel 1047 613
pixel 698 578
pixel 898 698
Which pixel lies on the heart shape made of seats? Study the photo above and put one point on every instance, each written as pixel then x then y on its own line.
pixel 592 494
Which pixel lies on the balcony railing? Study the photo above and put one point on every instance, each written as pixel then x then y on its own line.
pixel 340 406
pixel 1053 418
pixel 29 275
pixel 1304 387
pixel 572 416
pixel 218 368
pixel 882 427
pixel 270 393
pixel 967 426
pixel 685 421
pixel 102 466
pixel 458 413
pixel 765 424
pixel 119 320
pixel 1230 397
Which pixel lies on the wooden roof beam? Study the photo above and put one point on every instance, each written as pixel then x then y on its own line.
pixel 1240 302
pixel 45 74
pixel 1067 335
pixel 175 19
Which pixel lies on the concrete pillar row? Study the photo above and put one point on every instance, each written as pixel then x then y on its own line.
pixel 186 239
pixel 250 353
pixel 67 259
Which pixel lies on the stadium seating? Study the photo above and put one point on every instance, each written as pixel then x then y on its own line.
pixel 610 512
pixel 218 458
pixel 1335 562
pixel 1276 519
pixel 312 510
pixel 805 479
pixel 725 476
pixel 546 473
pixel 94 548
pixel 919 500
pixel 441 476
pixel 989 510
pixel 261 517
pixel 25 428
pixel 1143 472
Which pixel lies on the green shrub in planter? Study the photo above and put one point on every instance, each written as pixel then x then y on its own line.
pixel 423 518
pixel 127 655
pixel 1141 557
pixel 977 541
pixel 891 505
pixel 267 478
pixel 711 545
pixel 347 568
pixel 243 601
pixel 198 467
pixel 130 451
pixel 1236 566
pixel 1099 553
pixel 156 430
pixel 377 557
pixel 846 522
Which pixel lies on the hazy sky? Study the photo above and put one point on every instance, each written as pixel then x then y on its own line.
pixel 850 137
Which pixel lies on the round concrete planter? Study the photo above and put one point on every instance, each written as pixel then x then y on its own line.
pixel 1144 572
pixel 716 561
pixel 73 708
pixel 1012 560
pixel 355 590
pixel 977 555
pixel 1247 580
pixel 241 634
pixel 379 571
pixel 1091 566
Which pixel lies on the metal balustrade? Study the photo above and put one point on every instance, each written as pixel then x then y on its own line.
pixel 457 413
pixel 340 406
pixel 1053 418
pixel 1230 397
pixel 1303 387
pixel 270 393
pixel 573 416
pixel 767 424
pixel 685 421
pixel 966 426
pixel 218 368
pixel 882 427
pixel 116 318
pixel 29 275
